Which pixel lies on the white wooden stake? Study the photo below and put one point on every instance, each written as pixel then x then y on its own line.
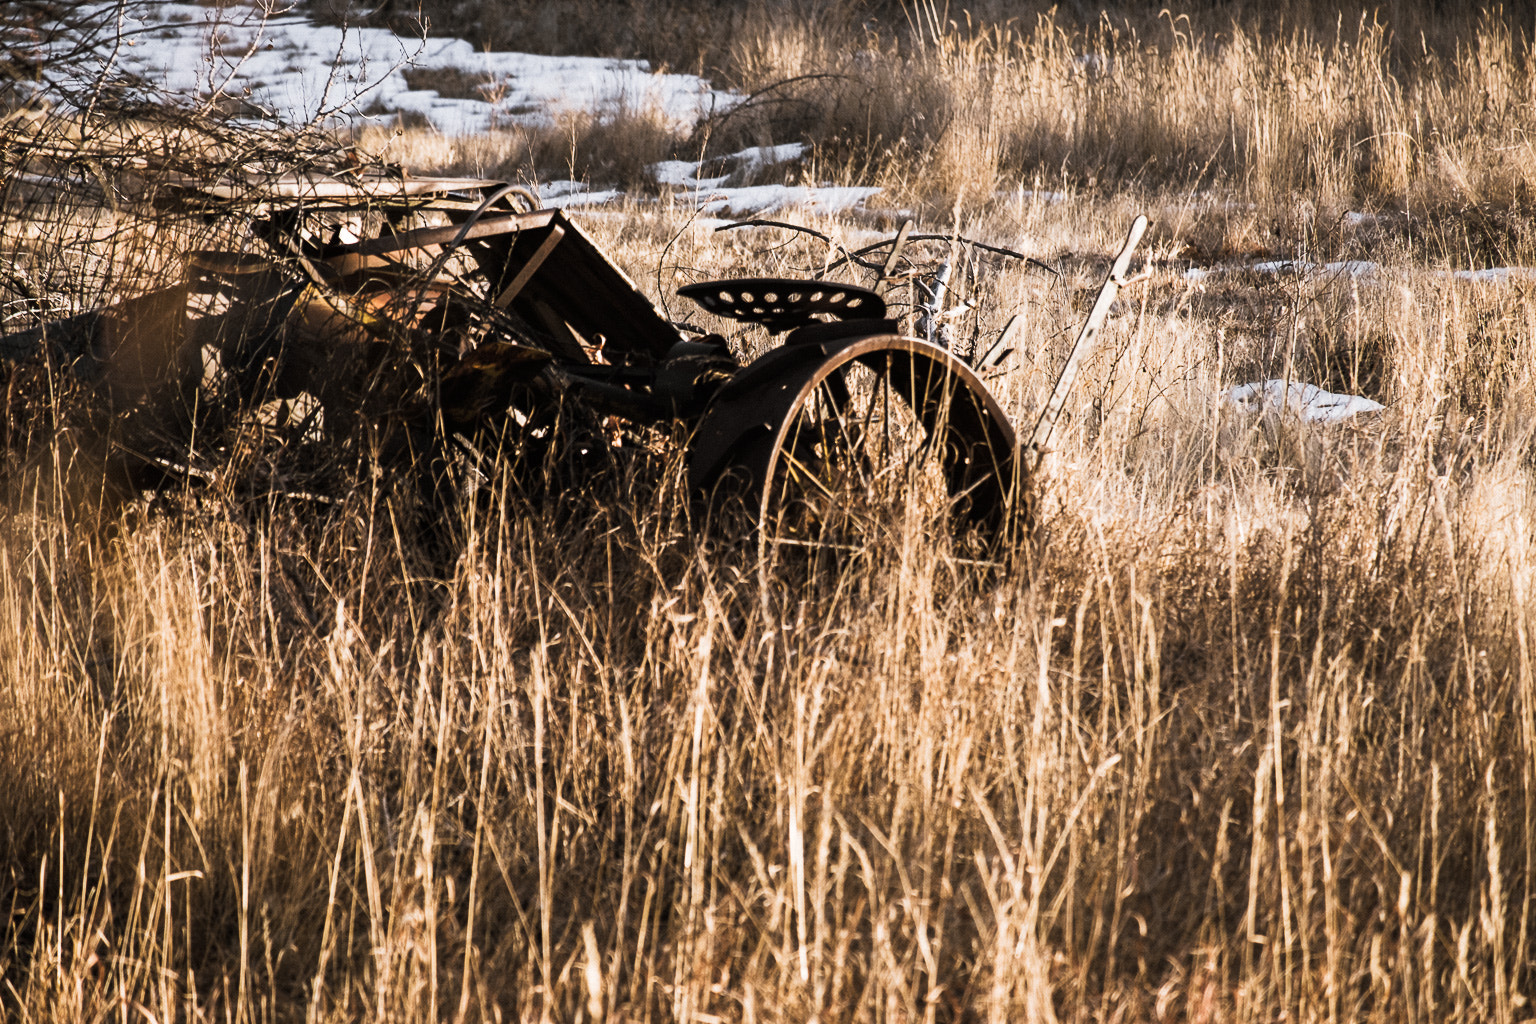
pixel 1083 347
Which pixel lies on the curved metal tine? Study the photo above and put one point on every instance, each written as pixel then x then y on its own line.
pixel 837 388
pixel 907 463
pixel 840 444
pixel 939 431
pixel 856 432
pixel 962 473
pixel 820 465
pixel 781 505
pixel 893 446
pixel 804 469
pixel 881 383
pixel 908 438
pixel 877 443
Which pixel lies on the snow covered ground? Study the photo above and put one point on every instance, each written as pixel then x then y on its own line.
pixel 285 68
pixel 296 72
pixel 1307 402
pixel 1358 270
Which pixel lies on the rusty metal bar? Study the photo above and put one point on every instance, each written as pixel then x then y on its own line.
pixel 487 228
pixel 524 275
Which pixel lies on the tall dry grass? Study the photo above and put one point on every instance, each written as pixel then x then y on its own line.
pixel 1344 111
pixel 1248 734
pixel 1391 108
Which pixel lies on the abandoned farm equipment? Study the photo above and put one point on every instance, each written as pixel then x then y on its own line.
pixel 406 314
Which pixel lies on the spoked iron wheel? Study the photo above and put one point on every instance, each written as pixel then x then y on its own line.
pixel 854 471
pixel 846 451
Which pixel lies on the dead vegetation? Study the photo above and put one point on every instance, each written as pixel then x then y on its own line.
pixel 1387 107
pixel 1248 735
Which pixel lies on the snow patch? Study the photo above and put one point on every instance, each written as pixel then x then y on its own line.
pixel 562 194
pixel 767 156
pixel 738 202
pixel 691 174
pixel 1495 275
pixel 1342 268
pixel 1359 270
pixel 289 70
pixel 684 174
pixel 1094 65
pixel 725 202
pixel 1308 402
pixel 298 72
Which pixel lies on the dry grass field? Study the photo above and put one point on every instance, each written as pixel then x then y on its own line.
pixel 1247 732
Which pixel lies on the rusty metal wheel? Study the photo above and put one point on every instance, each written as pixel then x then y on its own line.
pixel 839 451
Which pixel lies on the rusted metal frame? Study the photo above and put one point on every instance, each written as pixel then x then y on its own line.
pixel 351 264
pixel 488 227
pixel 301 187
pixel 370 254
pixel 284 235
pixel 493 245
pixel 327 265
pixel 282 230
pixel 614 396
pixel 527 270
pixel 589 293
pixel 565 338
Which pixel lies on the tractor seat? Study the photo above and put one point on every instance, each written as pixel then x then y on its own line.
pixel 782 304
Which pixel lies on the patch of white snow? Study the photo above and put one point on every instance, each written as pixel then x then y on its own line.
pixel 754 157
pixel 300 72
pixel 738 202
pixel 296 72
pixel 1360 270
pixel 566 193
pixel 1495 275
pixel 1342 268
pixel 684 174
pixel 1308 402
pixel 1094 65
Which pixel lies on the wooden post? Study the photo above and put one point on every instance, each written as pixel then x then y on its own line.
pixel 1082 348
